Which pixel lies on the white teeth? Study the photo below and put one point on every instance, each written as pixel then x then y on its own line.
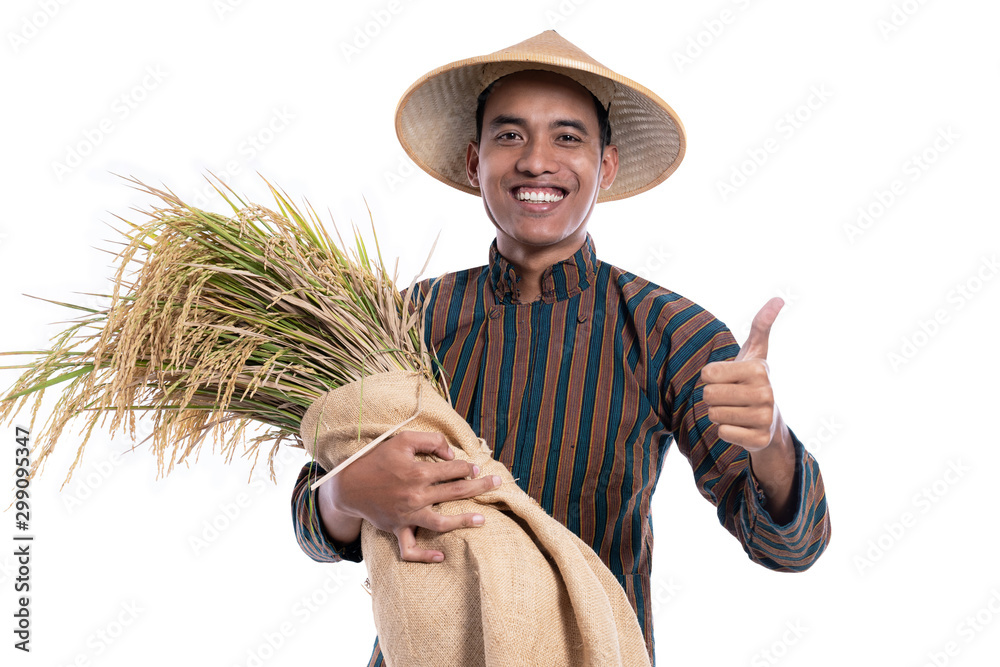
pixel 537 197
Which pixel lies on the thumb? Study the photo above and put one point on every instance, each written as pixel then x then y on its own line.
pixel 760 329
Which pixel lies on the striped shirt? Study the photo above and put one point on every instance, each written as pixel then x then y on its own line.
pixel 580 394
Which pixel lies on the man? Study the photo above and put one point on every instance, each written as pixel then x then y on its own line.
pixel 576 372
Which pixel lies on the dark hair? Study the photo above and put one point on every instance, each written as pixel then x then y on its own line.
pixel 603 125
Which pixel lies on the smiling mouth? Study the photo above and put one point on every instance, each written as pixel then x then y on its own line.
pixel 538 195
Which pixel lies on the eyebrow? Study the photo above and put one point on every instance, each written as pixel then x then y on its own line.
pixel 520 122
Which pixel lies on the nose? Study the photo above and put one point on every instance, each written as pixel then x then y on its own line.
pixel 537 157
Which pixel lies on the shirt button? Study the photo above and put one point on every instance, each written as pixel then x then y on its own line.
pixel 494 313
pixel 581 318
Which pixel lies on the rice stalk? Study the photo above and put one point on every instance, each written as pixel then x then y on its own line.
pixel 215 322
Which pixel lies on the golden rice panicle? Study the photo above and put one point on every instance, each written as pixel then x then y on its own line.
pixel 218 323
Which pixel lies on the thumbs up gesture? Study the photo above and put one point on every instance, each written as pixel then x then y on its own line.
pixel 739 393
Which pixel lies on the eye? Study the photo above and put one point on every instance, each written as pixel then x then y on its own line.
pixel 508 136
pixel 569 138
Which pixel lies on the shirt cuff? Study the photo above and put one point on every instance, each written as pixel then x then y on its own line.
pixel 794 546
pixel 309 530
pixel 756 497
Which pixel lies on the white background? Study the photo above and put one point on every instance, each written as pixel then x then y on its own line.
pixel 914 552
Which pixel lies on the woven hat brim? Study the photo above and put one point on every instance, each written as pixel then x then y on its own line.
pixel 435 121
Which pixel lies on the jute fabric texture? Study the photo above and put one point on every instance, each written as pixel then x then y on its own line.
pixel 520 590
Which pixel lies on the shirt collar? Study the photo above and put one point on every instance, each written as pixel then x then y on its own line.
pixel 563 280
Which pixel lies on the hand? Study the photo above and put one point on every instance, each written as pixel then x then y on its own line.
pixel 739 393
pixel 392 490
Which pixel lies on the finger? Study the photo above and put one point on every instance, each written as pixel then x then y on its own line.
pixel 437 472
pixel 738 395
pixel 442 523
pixel 749 371
pixel 425 442
pixel 408 549
pixel 760 330
pixel 747 438
pixel 749 417
pixel 459 490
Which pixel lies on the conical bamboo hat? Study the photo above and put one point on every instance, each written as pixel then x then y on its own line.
pixel 436 117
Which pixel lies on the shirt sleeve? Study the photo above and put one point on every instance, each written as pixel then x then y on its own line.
pixel 309 531
pixel 722 470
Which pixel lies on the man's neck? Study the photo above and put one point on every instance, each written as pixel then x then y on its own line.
pixel 530 262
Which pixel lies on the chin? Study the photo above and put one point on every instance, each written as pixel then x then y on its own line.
pixel 536 238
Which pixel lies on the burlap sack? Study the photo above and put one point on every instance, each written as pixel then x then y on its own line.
pixel 520 590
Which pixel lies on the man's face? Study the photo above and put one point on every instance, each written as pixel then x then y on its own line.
pixel 539 164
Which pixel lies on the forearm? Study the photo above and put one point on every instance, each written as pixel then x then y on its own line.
pixel 340 526
pixel 311 531
pixel 774 469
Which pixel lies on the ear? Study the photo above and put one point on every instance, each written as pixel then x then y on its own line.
pixel 609 166
pixel 472 164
